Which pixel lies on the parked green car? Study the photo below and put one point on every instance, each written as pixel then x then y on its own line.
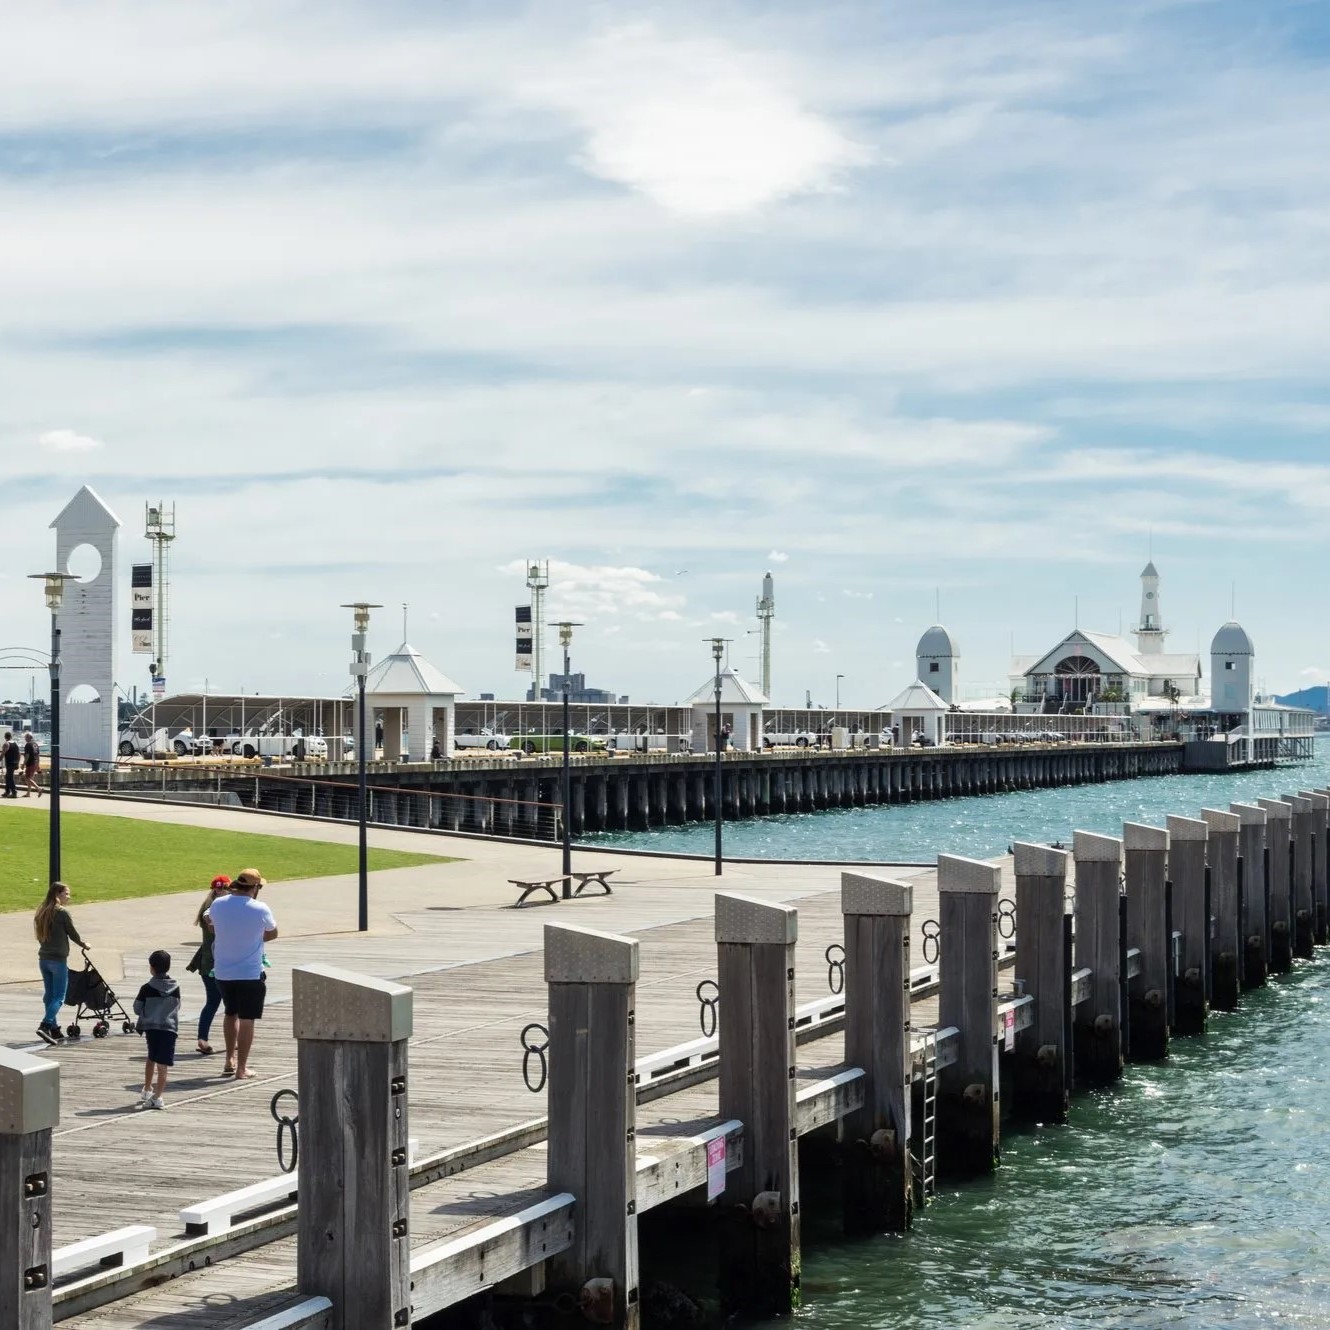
pixel 553 743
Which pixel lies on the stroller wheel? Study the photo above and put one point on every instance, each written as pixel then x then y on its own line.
pixel 73 1031
pixel 127 1027
pixel 100 1030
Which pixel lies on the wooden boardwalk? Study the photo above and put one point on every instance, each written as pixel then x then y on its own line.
pixel 115 1167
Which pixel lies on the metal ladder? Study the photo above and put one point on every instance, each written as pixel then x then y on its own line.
pixel 925 1163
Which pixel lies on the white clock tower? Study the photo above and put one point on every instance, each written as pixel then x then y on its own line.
pixel 1150 634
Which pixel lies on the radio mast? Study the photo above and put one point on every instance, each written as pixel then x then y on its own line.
pixel 766 611
pixel 159 529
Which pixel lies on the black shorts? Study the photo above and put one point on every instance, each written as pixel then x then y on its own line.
pixel 161 1047
pixel 243 998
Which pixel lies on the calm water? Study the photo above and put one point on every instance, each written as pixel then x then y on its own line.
pixel 1196 1193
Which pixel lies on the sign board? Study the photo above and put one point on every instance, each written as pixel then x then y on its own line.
pixel 715 1167
pixel 159 685
pixel 1009 1031
pixel 524 637
pixel 141 643
pixel 140 609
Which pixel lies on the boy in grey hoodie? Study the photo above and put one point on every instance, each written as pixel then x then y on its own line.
pixel 158 1009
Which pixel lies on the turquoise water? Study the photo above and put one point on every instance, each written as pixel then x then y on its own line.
pixel 977 826
pixel 1195 1193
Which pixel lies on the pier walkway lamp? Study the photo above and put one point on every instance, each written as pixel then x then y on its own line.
pixel 565 640
pixel 55 597
pixel 718 654
pixel 359 669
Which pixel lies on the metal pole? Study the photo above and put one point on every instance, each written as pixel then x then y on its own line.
pixel 363 862
pixel 716 796
pixel 567 787
pixel 55 748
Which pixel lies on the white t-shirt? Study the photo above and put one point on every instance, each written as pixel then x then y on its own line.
pixel 238 925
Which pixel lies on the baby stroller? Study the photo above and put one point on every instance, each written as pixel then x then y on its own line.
pixel 91 996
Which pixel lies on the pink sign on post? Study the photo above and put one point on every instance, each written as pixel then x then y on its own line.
pixel 715 1167
pixel 1009 1030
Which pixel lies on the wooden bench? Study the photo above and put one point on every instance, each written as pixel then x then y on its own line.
pixel 122 1246
pixel 218 1213
pixel 547 885
pixel 595 879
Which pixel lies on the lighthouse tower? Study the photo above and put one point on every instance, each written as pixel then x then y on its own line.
pixel 1150 634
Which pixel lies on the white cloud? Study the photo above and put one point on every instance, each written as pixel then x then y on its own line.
pixel 820 646
pixel 856 595
pixel 777 556
pixel 67 441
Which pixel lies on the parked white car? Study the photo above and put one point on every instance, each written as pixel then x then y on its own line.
pixel 793 738
pixel 484 738
pixel 300 747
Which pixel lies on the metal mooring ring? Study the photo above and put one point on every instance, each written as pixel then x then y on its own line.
pixel 932 932
pixel 534 1050
pixel 835 958
pixel 286 1125
pixel 708 1000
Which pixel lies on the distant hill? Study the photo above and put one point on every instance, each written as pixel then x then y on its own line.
pixel 1313 699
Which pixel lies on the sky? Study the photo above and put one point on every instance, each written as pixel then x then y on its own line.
pixel 972 306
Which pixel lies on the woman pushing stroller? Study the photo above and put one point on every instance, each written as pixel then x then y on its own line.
pixel 55 931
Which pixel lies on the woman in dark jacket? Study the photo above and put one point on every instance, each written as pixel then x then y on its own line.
pixel 202 962
pixel 55 931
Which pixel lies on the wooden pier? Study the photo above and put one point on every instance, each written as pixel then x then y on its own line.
pixel 513 795
pixel 904 1022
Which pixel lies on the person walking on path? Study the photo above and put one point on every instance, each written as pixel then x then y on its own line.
pixel 202 963
pixel 32 761
pixel 240 927
pixel 55 931
pixel 158 1009
pixel 10 755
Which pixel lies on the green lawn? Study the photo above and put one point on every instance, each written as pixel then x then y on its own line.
pixel 112 858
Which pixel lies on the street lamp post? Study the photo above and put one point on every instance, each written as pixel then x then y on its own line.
pixel 718 653
pixel 565 639
pixel 359 669
pixel 55 595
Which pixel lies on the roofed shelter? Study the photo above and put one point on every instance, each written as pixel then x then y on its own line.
pixel 741 705
pixel 416 699
pixel 919 710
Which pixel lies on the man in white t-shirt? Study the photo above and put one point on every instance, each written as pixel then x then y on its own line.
pixel 240 927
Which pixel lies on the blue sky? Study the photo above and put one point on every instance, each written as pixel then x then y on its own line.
pixel 978 302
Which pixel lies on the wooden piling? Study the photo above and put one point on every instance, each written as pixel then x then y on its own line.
pixel 1278 881
pixel 353 1241
pixel 1043 1071
pixel 968 1134
pixel 1226 934
pixel 1256 919
pixel 1320 863
pixel 759 1268
pixel 1304 903
pixel 878 1189
pixel 1187 841
pixel 1098 1022
pixel 592 1099
pixel 1145 853
pixel 29 1111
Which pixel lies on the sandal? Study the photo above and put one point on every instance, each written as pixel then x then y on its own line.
pixel 228 1070
pixel 203 1049
pixel 245 1075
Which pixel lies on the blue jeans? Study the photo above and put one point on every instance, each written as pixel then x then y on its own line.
pixel 55 981
pixel 214 1000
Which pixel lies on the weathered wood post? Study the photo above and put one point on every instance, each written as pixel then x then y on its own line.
pixel 592 980
pixel 1256 920
pixel 1320 862
pixel 1278 881
pixel 755 940
pixel 1187 840
pixel 969 1138
pixel 1226 940
pixel 353 1243
pixel 1145 852
pixel 1043 1049
pixel 878 1188
pixel 1098 1022
pixel 1304 902
pixel 29 1111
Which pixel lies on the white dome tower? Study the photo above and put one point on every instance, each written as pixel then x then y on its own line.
pixel 938 660
pixel 1232 670
pixel 1150 634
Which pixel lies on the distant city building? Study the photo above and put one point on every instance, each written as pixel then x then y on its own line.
pixel 577 691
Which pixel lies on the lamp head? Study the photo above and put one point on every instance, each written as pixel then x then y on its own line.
pixel 717 649
pixel 54 587
pixel 565 628
pixel 361 609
